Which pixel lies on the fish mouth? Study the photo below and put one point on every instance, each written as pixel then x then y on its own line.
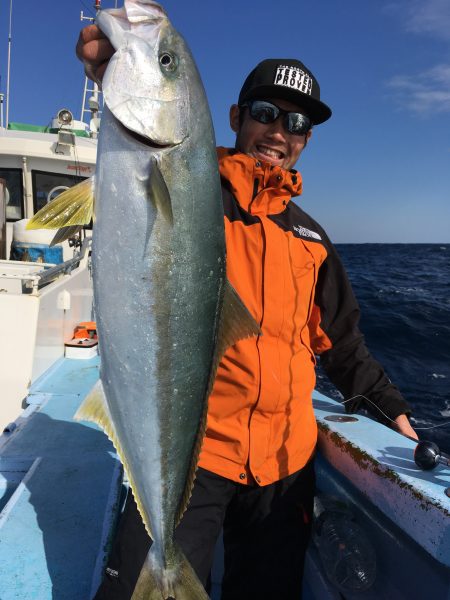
pixel 141 139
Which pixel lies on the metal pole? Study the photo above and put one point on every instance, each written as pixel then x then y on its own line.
pixel 93 104
pixel 9 62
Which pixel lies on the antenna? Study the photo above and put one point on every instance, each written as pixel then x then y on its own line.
pixel 9 62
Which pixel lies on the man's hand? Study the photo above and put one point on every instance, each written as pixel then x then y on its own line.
pixel 403 426
pixel 94 50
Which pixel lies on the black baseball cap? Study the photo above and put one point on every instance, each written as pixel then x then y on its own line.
pixel 287 79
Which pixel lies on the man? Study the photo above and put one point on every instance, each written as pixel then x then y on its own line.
pixel 255 478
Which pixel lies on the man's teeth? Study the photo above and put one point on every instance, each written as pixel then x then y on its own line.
pixel 269 152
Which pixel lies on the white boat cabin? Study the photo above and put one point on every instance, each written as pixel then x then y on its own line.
pixel 44 292
pixel 38 163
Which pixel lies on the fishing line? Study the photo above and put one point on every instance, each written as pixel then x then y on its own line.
pixel 388 418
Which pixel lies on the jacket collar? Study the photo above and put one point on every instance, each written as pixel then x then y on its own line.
pixel 259 187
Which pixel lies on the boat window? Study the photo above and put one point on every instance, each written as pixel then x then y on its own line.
pixel 14 193
pixel 47 186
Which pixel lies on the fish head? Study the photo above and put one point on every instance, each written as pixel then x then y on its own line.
pixel 146 84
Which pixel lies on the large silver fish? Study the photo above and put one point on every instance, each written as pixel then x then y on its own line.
pixel 165 312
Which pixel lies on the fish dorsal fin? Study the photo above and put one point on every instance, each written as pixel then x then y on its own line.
pixel 159 192
pixel 95 409
pixel 236 323
pixel 75 206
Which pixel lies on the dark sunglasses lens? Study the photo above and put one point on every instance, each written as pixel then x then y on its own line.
pixel 297 123
pixel 263 112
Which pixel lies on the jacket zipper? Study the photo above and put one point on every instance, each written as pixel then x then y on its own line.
pixel 252 410
pixel 258 395
pixel 255 193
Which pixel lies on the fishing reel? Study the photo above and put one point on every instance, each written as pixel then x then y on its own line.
pixel 427 455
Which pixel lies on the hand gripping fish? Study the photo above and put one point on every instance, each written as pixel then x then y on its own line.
pixel 164 309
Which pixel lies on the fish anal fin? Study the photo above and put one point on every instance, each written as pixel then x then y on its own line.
pixel 95 409
pixel 236 323
pixel 159 192
pixel 74 206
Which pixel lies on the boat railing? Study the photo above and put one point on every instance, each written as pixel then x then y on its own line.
pixel 34 281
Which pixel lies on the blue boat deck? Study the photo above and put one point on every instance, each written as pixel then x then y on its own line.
pixel 61 489
pixel 61 480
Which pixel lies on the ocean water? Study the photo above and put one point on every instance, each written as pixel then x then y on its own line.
pixel 404 294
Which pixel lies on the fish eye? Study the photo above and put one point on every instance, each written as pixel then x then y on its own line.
pixel 167 61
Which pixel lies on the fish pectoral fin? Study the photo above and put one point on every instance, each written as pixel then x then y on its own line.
pixel 159 192
pixel 75 206
pixel 236 322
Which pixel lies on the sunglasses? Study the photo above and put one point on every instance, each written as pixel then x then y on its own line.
pixel 266 112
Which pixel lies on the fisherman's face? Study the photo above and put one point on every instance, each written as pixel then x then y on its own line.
pixel 269 142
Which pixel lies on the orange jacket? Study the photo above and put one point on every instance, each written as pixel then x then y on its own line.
pixel 261 424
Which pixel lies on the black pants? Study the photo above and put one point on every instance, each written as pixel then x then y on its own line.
pixel 266 531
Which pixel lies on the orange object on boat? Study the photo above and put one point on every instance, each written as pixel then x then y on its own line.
pixel 86 329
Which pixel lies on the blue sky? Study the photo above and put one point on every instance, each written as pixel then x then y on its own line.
pixel 377 171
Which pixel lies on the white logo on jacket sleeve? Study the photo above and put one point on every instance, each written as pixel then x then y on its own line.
pixel 306 232
pixel 293 78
